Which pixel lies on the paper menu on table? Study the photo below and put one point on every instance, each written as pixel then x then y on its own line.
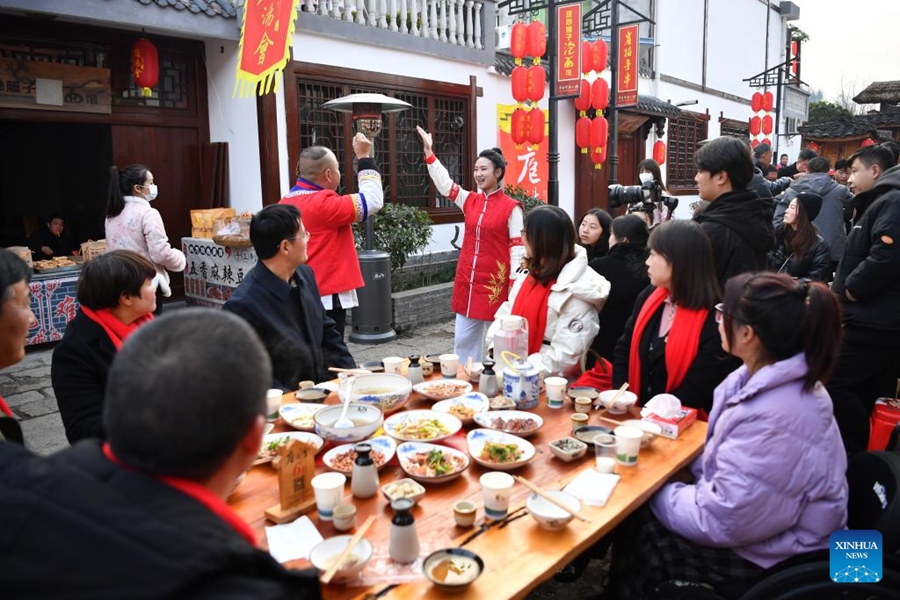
pixel 592 488
pixel 292 540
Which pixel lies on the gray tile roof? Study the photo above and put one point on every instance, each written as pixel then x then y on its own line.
pixel 880 92
pixel 212 8
pixel 858 126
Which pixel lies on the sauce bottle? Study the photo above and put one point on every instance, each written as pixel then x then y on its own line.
pixel 414 372
pixel 364 480
pixel 487 383
pixel 404 544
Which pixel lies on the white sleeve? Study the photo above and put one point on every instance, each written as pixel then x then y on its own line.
pixel 371 189
pixel 445 185
pixel 516 247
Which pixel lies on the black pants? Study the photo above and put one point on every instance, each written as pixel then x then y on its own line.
pixel 159 303
pixel 338 314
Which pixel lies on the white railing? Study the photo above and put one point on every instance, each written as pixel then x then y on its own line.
pixel 457 22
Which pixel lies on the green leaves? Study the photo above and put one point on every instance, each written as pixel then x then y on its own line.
pixel 400 230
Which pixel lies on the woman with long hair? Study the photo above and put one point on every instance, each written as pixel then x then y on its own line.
pixel 770 484
pixel 624 266
pixel 560 296
pixel 649 172
pixel 800 251
pixel 593 232
pixel 670 344
pixel 132 224
pixel 492 245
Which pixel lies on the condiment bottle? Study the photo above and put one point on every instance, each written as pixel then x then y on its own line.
pixel 414 371
pixel 404 544
pixel 487 383
pixel 364 480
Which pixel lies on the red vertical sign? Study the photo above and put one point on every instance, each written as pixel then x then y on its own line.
pixel 568 50
pixel 265 44
pixel 628 59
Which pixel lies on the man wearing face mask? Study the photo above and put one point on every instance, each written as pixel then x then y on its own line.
pixel 132 224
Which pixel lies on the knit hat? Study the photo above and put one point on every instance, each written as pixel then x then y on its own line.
pixel 812 204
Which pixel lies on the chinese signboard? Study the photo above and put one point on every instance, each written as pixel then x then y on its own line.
pixel 265 44
pixel 568 51
pixel 213 272
pixel 629 57
pixel 526 168
pixel 54 86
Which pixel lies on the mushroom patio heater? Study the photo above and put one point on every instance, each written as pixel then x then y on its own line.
pixel 372 319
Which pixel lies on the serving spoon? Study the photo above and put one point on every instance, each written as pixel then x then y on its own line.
pixel 343 422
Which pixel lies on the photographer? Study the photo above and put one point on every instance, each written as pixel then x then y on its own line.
pixel 650 200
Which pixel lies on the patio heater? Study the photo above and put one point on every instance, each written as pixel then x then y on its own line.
pixel 372 319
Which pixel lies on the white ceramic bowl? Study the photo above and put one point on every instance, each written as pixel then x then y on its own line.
pixel 568 449
pixel 300 416
pixel 651 430
pixel 367 417
pixel 325 552
pixel 383 444
pixel 478 438
pixel 548 515
pixel 473 401
pixel 408 425
pixel 471 563
pixel 386 390
pixel 625 401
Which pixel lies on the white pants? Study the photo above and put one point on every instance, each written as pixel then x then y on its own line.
pixel 468 338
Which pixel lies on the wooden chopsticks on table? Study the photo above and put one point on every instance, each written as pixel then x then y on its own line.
pixel 326 578
pixel 351 371
pixel 549 498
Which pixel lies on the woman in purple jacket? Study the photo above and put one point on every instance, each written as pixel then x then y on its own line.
pixel 771 482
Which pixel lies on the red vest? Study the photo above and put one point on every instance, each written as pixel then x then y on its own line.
pixel 482 274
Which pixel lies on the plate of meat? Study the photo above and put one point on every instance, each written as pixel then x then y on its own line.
pixel 341 458
pixel 517 422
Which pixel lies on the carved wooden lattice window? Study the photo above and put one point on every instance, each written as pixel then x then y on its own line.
pixel 735 128
pixel 684 134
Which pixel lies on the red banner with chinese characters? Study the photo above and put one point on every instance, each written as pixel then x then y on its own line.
pixel 265 44
pixel 526 168
pixel 628 59
pixel 568 50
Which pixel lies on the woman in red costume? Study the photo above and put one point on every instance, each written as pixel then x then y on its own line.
pixel 492 245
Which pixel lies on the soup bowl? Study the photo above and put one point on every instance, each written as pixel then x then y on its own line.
pixel 389 391
pixel 367 418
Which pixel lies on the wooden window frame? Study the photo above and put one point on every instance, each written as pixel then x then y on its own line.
pixel 685 159
pixel 734 127
pixel 300 72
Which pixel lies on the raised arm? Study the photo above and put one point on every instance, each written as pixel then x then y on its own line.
pixel 371 190
pixel 439 174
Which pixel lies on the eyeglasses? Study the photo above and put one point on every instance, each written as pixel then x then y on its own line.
pixel 305 237
pixel 720 312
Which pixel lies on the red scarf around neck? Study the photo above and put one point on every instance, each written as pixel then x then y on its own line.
pixel 682 343
pixel 531 303
pixel 117 331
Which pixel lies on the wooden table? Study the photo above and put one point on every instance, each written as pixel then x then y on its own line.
pixel 521 555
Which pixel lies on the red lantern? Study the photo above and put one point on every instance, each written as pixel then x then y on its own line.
pixel 535 83
pixel 536 124
pixel 586 62
pixel 767 142
pixel 520 84
pixel 813 146
pixel 145 65
pixel 583 134
pixel 864 144
pixel 755 126
pixel 598 156
pixel 754 143
pixel 659 152
pixel 768 101
pixel 599 130
pixel 518 126
pixel 517 41
pixel 599 54
pixel 536 40
pixel 767 124
pixel 756 102
pixel 599 94
pixel 583 100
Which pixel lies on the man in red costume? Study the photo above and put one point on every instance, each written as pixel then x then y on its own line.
pixel 328 218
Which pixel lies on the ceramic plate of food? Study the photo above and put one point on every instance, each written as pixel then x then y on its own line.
pixel 431 463
pixel 300 416
pixel 341 458
pixel 443 389
pixel 421 426
pixel 497 450
pixel 403 488
pixel 464 407
pixel 273 441
pixel 517 422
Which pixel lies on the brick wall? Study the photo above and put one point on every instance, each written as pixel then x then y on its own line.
pixel 422 306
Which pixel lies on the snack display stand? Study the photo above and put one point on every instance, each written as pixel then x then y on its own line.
pixel 213 271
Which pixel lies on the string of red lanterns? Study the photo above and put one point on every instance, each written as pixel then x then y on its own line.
pixel 591 135
pixel 761 124
pixel 528 123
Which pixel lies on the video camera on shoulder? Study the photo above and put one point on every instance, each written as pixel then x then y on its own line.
pixel 646 197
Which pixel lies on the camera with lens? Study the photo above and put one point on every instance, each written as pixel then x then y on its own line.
pixel 646 197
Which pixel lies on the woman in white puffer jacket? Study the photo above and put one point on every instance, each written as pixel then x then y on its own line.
pixel 561 296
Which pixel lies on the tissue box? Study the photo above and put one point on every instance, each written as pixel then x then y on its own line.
pixel 673 427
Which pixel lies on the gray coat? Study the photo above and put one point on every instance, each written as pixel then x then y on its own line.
pixel 830 221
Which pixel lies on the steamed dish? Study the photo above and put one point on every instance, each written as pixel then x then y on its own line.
pixel 500 453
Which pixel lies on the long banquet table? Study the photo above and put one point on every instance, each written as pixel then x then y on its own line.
pixel 518 556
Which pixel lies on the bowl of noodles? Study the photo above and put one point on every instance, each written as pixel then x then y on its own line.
pixel 388 391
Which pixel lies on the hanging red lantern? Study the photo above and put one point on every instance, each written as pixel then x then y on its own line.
pixel 767 124
pixel 536 125
pixel 536 40
pixel 583 134
pixel 599 54
pixel 518 126
pixel 813 146
pixel 599 94
pixel 518 41
pixel 583 100
pixel 599 131
pixel 864 144
pixel 767 142
pixel 754 143
pixel 659 152
pixel 598 156
pixel 756 102
pixel 755 126
pixel 535 83
pixel 768 101
pixel 520 84
pixel 586 63
pixel 145 65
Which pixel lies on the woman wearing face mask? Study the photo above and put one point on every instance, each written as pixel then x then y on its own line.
pixel 593 233
pixel 648 173
pixel 492 248
pixel 132 224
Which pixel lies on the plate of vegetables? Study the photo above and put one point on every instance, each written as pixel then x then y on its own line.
pixel 497 450
pixel 421 425
pixel 431 463
pixel 273 441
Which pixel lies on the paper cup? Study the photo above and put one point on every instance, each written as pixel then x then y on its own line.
pixel 449 365
pixel 605 452
pixel 392 364
pixel 628 444
pixel 496 487
pixel 329 489
pixel 556 391
pixel 273 404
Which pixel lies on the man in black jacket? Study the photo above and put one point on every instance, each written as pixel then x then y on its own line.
pixel 144 516
pixel 867 282
pixel 737 221
pixel 280 300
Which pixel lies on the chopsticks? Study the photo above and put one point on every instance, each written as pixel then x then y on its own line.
pixel 619 393
pixel 326 578
pixel 549 498
pixel 608 420
pixel 351 371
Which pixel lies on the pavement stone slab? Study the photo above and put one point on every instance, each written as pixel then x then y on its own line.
pixel 17 400
pixel 38 408
pixel 45 435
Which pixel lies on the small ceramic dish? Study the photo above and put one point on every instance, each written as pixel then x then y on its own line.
pixel 587 433
pixel 376 366
pixel 316 395
pixel 403 488
pixel 651 430
pixel 340 458
pixel 300 416
pixel 582 391
pixel 453 569
pixel 499 456
pixel 502 403
pixel 568 449
pixel 326 552
pixel 625 401
pixel 548 515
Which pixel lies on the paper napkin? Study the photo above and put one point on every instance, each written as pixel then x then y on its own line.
pixel 292 540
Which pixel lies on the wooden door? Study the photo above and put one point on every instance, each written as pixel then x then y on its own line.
pixel 592 185
pixel 173 156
